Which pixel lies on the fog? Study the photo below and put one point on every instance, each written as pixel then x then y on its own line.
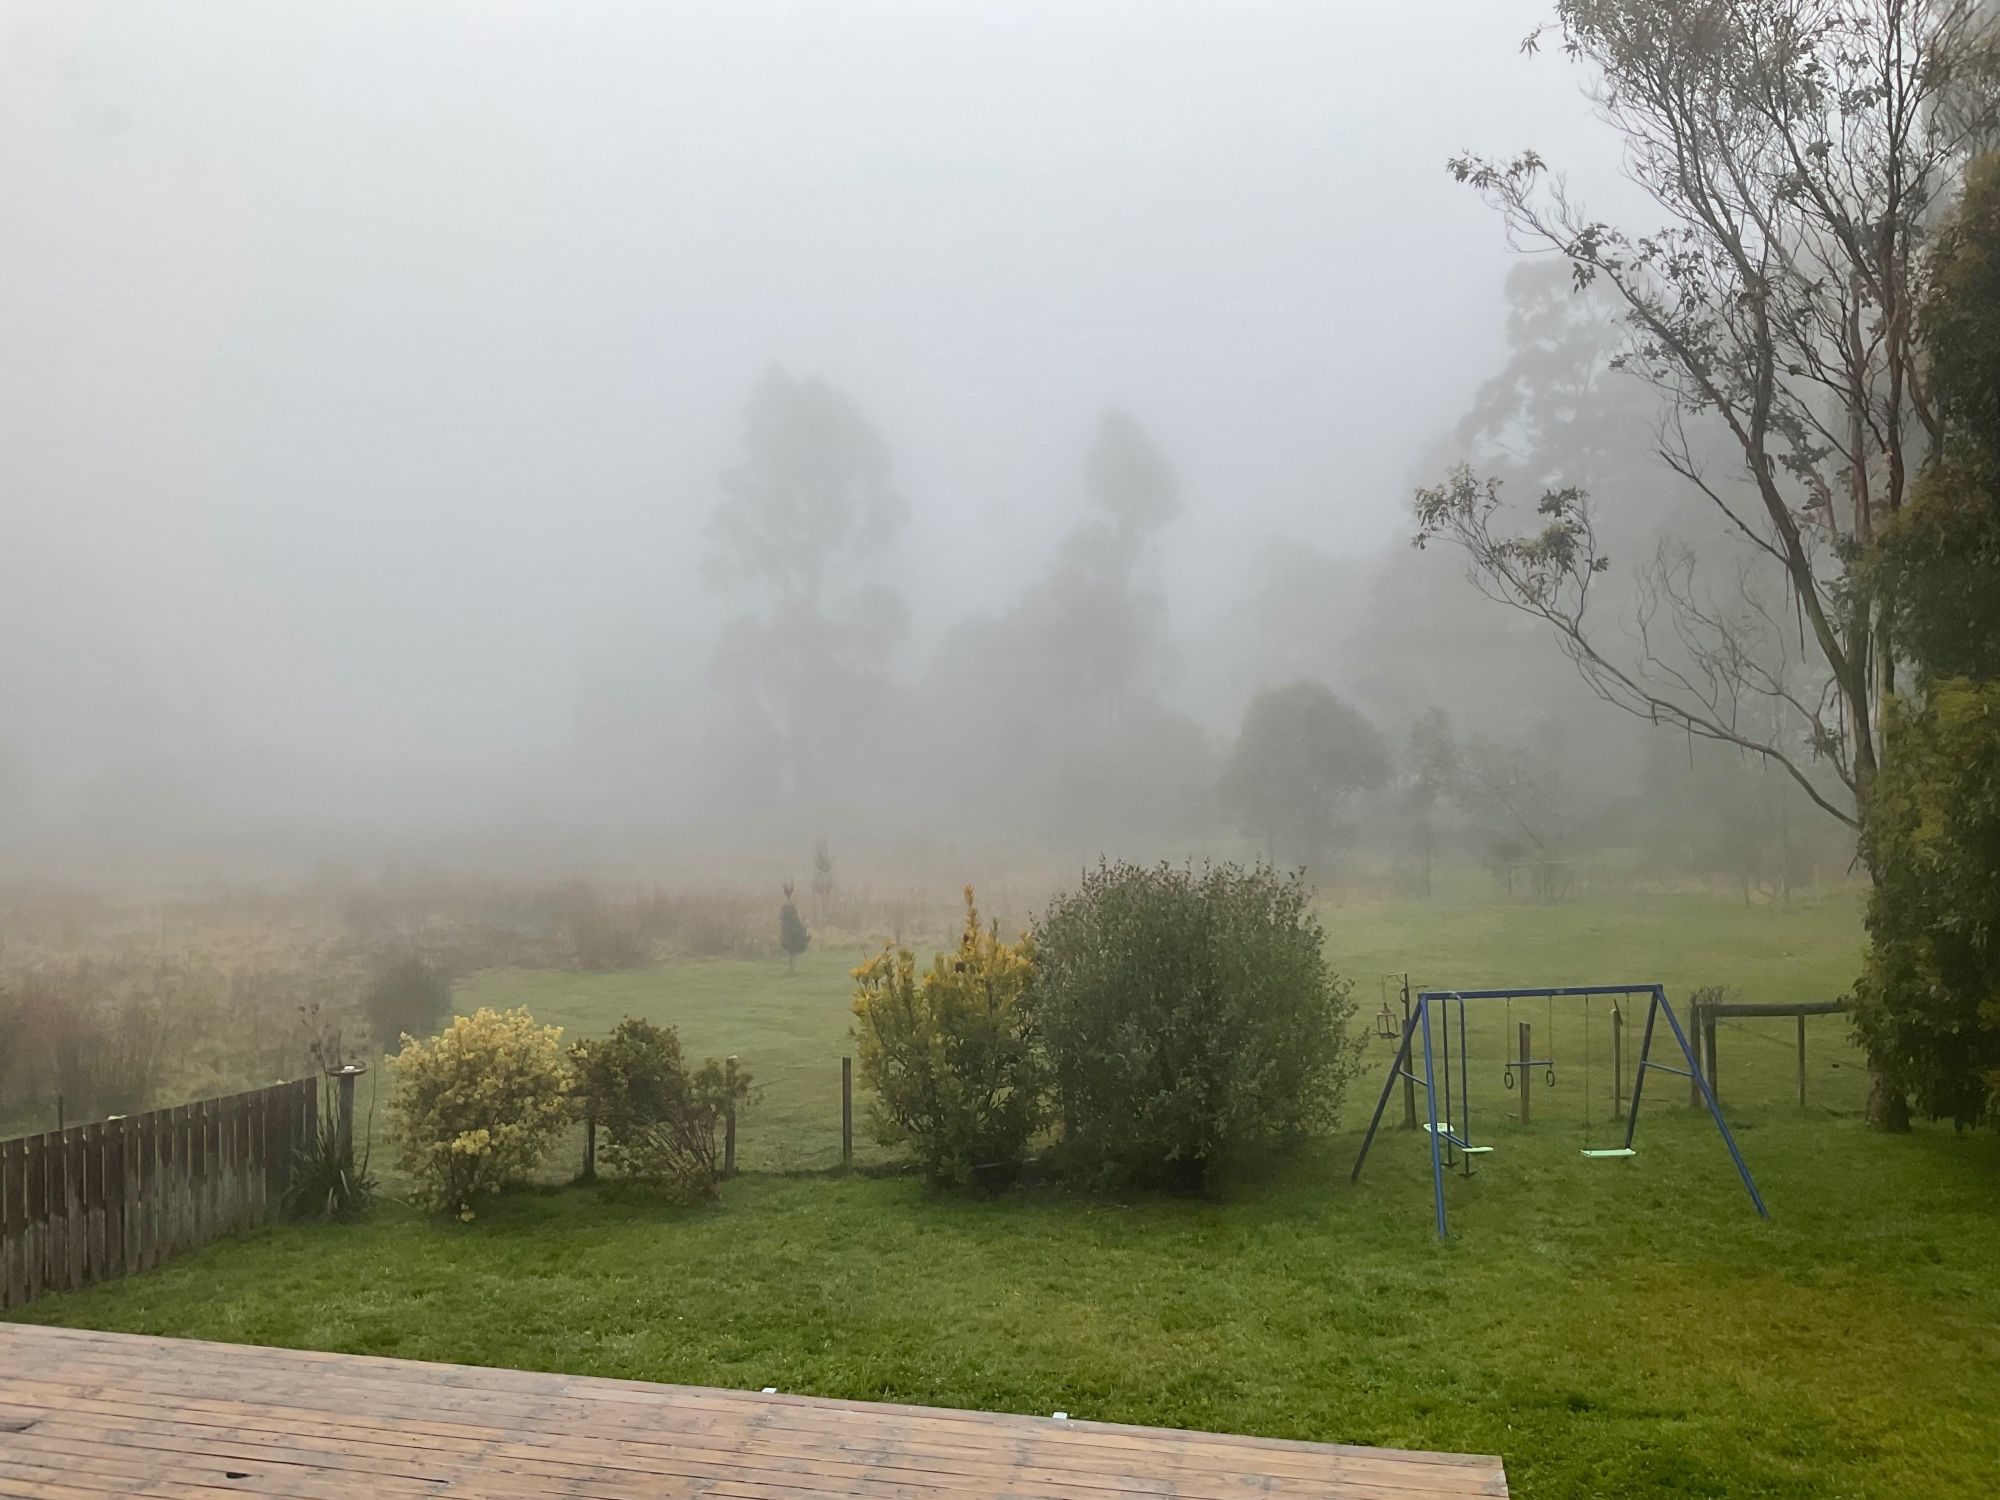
pixel 374 374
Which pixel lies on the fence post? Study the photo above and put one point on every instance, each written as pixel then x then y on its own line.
pixel 177 1152
pixel 115 1134
pixel 147 1214
pixel 1526 1077
pixel 729 1117
pixel 75 1208
pixel 344 1116
pixel 1694 1046
pixel 1708 1045
pixel 846 1113
pixel 13 1224
pixel 1802 1062
pixel 1409 1082
pixel 93 1202
pixel 201 1162
pixel 1617 1063
pixel 37 1179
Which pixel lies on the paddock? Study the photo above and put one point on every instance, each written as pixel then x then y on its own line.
pixel 87 1414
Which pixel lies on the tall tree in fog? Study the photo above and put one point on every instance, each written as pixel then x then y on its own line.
pixel 1431 772
pixel 1799 152
pixel 1054 708
pixel 1099 596
pixel 1516 789
pixel 1926 1004
pixel 1117 760
pixel 1301 755
pixel 808 511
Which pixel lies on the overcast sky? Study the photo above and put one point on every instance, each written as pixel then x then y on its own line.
pixel 368 367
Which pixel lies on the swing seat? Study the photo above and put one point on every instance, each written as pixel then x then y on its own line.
pixel 1468 1150
pixel 1609 1151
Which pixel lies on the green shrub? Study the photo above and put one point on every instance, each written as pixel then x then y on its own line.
pixel 1189 1017
pixel 1926 1006
pixel 792 934
pixel 950 1060
pixel 662 1124
pixel 477 1105
pixel 409 995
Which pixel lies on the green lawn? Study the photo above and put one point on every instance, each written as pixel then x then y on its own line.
pixel 1613 1328
pixel 790 1030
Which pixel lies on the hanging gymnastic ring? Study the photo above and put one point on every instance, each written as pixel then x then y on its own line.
pixel 1507 1076
pixel 1551 1079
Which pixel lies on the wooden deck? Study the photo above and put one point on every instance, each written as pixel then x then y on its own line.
pixel 86 1415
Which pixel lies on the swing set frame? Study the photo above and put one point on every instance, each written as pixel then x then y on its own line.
pixel 1449 1134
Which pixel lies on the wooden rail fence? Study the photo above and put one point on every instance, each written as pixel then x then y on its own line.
pixel 96 1201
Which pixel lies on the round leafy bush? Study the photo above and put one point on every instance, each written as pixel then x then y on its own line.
pixel 1189 1017
pixel 477 1105
pixel 663 1124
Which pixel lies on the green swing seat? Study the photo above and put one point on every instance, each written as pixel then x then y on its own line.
pixel 1593 1153
pixel 1468 1150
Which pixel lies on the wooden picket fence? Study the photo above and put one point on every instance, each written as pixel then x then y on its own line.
pixel 101 1200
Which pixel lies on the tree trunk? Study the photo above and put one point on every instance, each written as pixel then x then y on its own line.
pixel 1888 1108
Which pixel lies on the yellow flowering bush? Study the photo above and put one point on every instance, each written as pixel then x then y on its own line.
pixel 950 1059
pixel 477 1105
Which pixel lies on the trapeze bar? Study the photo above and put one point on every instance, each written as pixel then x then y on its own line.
pixel 1663 1068
pixel 1540 1062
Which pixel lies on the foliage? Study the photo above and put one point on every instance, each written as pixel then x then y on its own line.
pixel 13 1027
pixel 1058 697
pixel 328 1181
pixel 1517 788
pixel 1767 322
pixel 410 995
pixel 1302 752
pixel 1680 932
pixel 1929 1001
pixel 1960 320
pixel 662 1123
pixel 1189 1017
pixel 951 1059
pixel 822 882
pixel 792 934
pixel 1430 772
pixel 811 492
pixel 98 1049
pixel 1936 566
pixel 477 1105
pixel 806 510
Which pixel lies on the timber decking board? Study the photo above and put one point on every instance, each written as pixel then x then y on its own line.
pixel 85 1414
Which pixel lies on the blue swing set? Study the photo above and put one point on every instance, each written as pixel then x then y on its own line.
pixel 1449 1135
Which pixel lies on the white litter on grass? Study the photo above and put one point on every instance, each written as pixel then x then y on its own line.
pixel 770 1390
pixel 1060 1416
